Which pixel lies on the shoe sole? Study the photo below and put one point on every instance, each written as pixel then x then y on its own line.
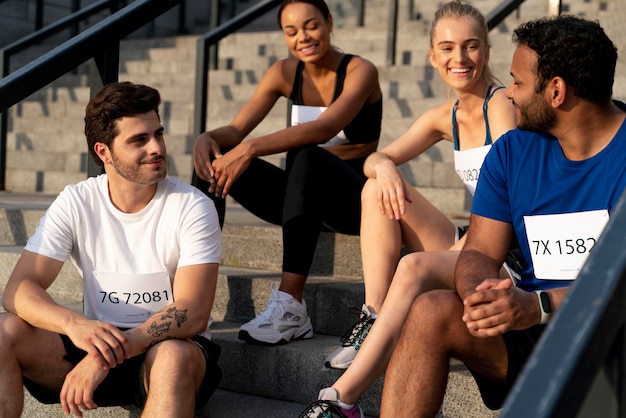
pixel 245 336
pixel 340 367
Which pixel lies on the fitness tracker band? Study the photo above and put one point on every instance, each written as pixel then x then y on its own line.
pixel 544 305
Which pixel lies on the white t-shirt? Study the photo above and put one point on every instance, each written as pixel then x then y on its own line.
pixel 179 227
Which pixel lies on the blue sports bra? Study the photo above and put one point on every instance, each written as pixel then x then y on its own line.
pixel 455 134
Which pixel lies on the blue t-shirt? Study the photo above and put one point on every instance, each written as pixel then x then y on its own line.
pixel 526 174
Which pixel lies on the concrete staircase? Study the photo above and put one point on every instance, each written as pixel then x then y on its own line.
pixel 46 151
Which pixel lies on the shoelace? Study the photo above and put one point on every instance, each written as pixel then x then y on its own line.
pixel 321 409
pixel 354 336
pixel 268 312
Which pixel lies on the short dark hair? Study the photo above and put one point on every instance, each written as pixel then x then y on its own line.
pixel 575 49
pixel 318 4
pixel 112 102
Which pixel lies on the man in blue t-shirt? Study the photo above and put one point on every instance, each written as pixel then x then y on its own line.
pixel 550 186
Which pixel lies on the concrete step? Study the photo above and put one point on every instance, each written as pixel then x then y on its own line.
pixel 223 404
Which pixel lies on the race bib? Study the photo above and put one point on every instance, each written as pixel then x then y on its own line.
pixel 467 164
pixel 560 244
pixel 301 114
pixel 131 298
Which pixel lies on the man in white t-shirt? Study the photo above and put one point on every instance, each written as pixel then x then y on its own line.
pixel 148 248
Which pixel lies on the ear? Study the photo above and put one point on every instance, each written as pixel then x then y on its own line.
pixel 556 92
pixel 330 23
pixel 431 57
pixel 103 152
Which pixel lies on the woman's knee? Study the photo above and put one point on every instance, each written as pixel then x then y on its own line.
pixel 369 192
pixel 426 270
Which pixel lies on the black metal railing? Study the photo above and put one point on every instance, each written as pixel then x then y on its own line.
pixel 207 57
pixel 100 42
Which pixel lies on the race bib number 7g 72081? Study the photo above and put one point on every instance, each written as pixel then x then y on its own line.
pixel 560 244
pixel 129 299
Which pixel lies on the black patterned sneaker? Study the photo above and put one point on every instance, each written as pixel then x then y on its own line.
pixel 342 357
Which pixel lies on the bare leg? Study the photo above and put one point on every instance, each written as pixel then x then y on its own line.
pixel 417 374
pixel 416 273
pixel 174 371
pixel 293 284
pixel 422 228
pixel 28 351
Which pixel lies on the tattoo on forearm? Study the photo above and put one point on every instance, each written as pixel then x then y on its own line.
pixel 178 316
pixel 156 330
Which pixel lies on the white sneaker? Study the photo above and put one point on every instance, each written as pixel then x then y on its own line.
pixel 284 319
pixel 342 357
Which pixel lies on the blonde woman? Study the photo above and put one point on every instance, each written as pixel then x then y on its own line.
pixel 394 213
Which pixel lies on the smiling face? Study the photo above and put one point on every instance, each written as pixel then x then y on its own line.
pixel 531 107
pixel 138 153
pixel 306 31
pixel 459 52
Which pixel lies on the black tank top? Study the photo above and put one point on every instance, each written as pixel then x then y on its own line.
pixel 366 125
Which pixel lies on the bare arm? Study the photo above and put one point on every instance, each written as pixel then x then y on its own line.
pixel 194 292
pixel 426 131
pixel 209 144
pixel 501 115
pixel 360 86
pixel 486 246
pixel 361 83
pixel 494 306
pixel 26 296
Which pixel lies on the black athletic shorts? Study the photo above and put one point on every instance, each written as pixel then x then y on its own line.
pixel 519 346
pixel 123 385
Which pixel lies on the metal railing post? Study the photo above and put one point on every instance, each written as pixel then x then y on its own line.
pixel 39 5
pixel 360 21
pixel 105 71
pixel 214 23
pixel 392 29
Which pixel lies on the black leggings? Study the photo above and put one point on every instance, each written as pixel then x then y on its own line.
pixel 316 192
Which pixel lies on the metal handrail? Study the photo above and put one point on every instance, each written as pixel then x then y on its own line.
pixel 210 39
pixel 91 43
pixel 100 42
pixel 52 29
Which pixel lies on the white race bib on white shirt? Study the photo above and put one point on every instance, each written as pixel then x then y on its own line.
pixel 301 114
pixel 130 299
pixel 560 244
pixel 467 164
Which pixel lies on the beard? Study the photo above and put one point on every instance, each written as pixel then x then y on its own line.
pixel 537 116
pixel 138 173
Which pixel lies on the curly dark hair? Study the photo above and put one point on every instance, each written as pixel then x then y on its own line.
pixel 574 49
pixel 112 102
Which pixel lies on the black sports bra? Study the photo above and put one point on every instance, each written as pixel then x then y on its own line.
pixel 366 125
